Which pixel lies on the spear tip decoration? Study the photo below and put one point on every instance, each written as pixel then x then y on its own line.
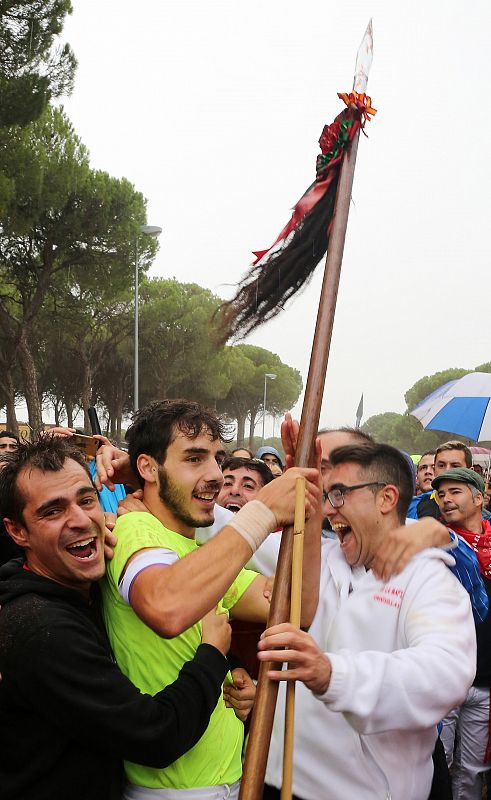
pixel 364 59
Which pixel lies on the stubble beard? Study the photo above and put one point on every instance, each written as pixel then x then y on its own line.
pixel 460 523
pixel 174 499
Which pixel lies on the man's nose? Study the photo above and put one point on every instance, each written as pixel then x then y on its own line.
pixel 213 473
pixel 77 517
pixel 327 509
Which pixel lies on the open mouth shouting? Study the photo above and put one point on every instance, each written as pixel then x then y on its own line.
pixel 342 530
pixel 349 544
pixel 206 497
pixel 233 507
pixel 84 550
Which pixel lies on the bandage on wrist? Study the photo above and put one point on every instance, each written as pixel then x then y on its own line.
pixel 254 522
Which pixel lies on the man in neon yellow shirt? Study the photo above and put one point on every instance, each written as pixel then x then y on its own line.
pixel 160 584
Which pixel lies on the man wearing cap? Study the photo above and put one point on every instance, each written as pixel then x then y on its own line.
pixel 449 455
pixel 459 494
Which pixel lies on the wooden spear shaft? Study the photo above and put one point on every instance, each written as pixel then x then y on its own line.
pixel 295 612
pixel 262 719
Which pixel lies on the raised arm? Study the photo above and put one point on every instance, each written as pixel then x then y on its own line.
pixel 402 543
pixel 171 598
pixel 113 466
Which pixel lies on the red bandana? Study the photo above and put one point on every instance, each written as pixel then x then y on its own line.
pixel 481 544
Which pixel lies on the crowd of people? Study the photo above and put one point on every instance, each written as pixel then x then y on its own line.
pixel 125 672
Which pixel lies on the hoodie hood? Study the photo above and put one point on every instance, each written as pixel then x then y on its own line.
pixel 271 451
pixel 16 581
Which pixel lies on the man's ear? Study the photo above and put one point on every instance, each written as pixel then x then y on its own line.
pixel 478 500
pixel 147 468
pixel 17 532
pixel 389 497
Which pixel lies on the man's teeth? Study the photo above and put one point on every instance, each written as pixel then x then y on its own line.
pixel 203 496
pixel 338 527
pixel 84 550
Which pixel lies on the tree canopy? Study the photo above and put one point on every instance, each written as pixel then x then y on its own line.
pixel 403 431
pixel 431 383
pixel 178 357
pixel 68 235
pixel 247 366
pixel 33 69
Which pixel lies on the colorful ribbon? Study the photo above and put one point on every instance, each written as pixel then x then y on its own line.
pixel 333 141
pixel 362 102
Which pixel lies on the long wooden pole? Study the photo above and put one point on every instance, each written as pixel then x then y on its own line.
pixel 295 612
pixel 262 719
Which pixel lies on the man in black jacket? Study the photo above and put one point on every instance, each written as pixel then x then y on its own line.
pixel 68 716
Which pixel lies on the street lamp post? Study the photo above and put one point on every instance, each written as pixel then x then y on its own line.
pixel 271 376
pixel 147 230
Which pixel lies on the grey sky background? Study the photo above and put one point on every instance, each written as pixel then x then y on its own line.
pixel 214 109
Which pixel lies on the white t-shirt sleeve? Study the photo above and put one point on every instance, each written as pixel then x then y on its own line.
pixel 265 559
pixel 222 518
pixel 151 557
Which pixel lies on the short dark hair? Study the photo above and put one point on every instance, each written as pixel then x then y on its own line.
pixel 155 426
pixel 9 434
pixel 380 462
pixel 455 444
pixel 426 453
pixel 356 433
pixel 254 464
pixel 47 454
pixel 246 449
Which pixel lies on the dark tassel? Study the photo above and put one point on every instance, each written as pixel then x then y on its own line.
pixel 263 292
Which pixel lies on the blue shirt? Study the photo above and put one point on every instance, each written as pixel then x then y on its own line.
pixel 412 512
pixel 108 500
pixel 466 570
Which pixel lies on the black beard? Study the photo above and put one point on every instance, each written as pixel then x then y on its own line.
pixel 172 498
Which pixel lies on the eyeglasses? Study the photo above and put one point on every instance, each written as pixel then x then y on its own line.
pixel 336 496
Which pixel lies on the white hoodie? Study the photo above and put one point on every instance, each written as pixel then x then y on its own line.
pixel 403 654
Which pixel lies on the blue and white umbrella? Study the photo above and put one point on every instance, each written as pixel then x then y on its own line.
pixel 462 407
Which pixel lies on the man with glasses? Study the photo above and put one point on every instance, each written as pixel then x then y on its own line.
pixel 383 662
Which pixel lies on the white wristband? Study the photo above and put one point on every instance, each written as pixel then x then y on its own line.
pixel 254 522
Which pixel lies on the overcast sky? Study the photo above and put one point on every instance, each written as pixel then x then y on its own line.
pixel 213 111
